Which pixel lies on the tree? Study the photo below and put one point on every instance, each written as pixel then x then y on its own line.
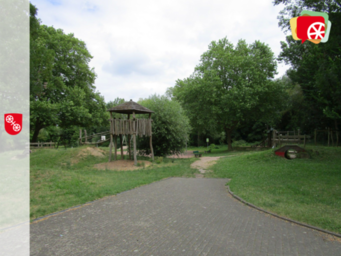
pixel 232 85
pixel 315 68
pixel 170 126
pixel 62 90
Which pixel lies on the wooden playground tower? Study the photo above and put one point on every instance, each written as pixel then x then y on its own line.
pixel 130 127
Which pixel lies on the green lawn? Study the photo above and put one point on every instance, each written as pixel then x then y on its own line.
pixel 307 190
pixel 56 184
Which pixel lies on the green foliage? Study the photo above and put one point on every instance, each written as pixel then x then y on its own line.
pixel 231 85
pixel 61 82
pixel 212 146
pixel 315 70
pixel 170 126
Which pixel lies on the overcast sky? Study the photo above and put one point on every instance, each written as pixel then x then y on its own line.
pixel 140 48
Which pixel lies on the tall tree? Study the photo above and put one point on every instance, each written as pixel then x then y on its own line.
pixel 232 85
pixel 62 83
pixel 315 68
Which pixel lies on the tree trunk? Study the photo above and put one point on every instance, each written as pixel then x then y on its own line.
pixel 228 137
pixel 337 133
pixel 37 129
pixel 198 139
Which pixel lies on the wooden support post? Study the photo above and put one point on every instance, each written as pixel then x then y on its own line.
pixel 86 136
pixel 80 136
pixel 111 139
pixel 115 143
pixel 121 139
pixel 134 137
pixel 315 136
pixel 111 142
pixel 150 138
pixel 129 138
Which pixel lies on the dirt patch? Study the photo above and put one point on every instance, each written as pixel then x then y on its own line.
pixel 205 162
pixel 122 165
pixel 93 151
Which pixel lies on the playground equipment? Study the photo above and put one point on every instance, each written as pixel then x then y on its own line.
pixel 291 151
pixel 130 127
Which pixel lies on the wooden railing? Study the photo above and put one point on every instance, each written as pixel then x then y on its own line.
pixel 42 144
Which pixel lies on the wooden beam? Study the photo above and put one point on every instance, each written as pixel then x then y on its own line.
pixel 115 147
pixel 121 139
pixel 134 137
pixel 150 138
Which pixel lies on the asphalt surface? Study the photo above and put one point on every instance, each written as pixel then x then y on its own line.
pixel 176 216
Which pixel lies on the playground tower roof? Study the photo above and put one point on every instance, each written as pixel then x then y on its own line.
pixel 129 107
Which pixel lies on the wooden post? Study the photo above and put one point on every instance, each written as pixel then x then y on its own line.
pixel 315 136
pixel 111 137
pixel 80 136
pixel 150 138
pixel 134 137
pixel 86 136
pixel 115 144
pixel 129 138
pixel 121 139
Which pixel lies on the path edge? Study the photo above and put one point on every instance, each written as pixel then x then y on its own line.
pixel 280 217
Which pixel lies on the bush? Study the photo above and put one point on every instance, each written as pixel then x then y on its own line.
pixel 170 126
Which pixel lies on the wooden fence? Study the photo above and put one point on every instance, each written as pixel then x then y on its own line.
pixel 142 127
pixel 279 137
pixel 42 144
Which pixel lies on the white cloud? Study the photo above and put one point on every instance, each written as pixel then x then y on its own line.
pixel 143 47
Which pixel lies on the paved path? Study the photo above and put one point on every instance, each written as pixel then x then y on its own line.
pixel 177 216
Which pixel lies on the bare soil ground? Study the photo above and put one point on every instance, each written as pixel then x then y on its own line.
pixel 94 151
pixel 122 165
pixel 203 165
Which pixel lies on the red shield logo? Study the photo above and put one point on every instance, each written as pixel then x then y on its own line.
pixel 13 123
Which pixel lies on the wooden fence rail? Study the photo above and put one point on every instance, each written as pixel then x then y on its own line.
pixel 43 144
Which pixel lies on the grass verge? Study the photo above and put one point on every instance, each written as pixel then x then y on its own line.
pixel 57 184
pixel 306 190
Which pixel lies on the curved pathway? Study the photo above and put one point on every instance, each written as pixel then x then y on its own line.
pixel 176 216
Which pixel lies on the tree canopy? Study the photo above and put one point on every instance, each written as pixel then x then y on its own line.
pixel 170 126
pixel 316 69
pixel 62 90
pixel 231 85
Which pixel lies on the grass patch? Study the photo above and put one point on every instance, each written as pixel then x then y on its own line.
pixel 307 190
pixel 57 184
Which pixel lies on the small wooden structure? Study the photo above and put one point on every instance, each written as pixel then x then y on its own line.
pixel 280 137
pixel 130 127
